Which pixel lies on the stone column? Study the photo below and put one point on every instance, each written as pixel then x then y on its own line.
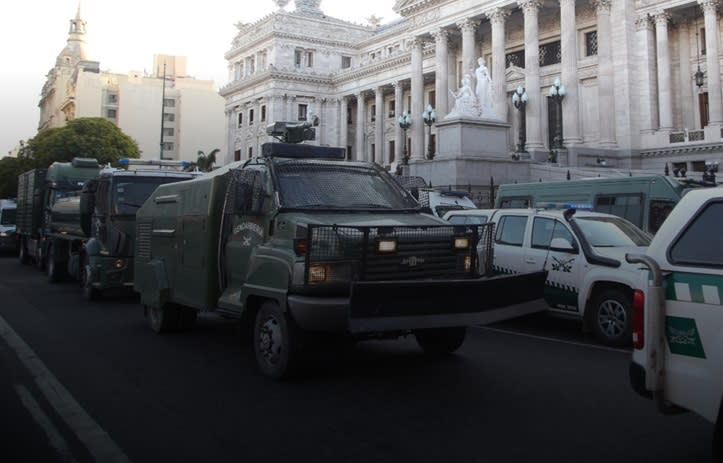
pixel 399 140
pixel 712 38
pixel 379 127
pixel 568 74
pixel 343 124
pixel 497 18
pixel 532 73
pixel 417 128
pixel 442 74
pixel 647 83
pixel 606 104
pixel 665 82
pixel 686 77
pixel 468 27
pixel 290 106
pixel 360 123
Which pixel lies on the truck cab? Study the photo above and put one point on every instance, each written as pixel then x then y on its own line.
pixel 301 243
pixel 678 316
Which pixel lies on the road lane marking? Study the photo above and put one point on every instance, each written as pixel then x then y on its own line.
pixel 94 438
pixel 55 440
pixel 561 341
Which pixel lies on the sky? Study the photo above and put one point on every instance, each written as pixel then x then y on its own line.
pixel 123 36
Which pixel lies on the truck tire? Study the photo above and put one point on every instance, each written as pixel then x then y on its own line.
pixel 89 292
pixel 187 318
pixel 611 318
pixel 23 253
pixel 53 269
pixel 162 319
pixel 441 340
pixel 276 342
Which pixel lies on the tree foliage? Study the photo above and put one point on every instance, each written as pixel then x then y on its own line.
pixel 89 137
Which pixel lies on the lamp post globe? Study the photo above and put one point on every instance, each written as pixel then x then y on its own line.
pixel 430 117
pixel 405 121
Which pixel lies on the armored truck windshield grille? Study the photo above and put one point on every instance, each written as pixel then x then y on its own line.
pixel 338 186
pixel 401 253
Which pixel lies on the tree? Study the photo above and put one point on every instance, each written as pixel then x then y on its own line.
pixel 10 168
pixel 205 162
pixel 88 137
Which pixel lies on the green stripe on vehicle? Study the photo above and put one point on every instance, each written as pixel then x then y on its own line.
pixel 683 337
pixel 694 287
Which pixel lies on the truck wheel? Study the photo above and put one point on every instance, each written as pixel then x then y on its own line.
pixel 441 340
pixel 187 318
pixel 54 271
pixel 89 292
pixel 162 319
pixel 611 318
pixel 23 253
pixel 276 342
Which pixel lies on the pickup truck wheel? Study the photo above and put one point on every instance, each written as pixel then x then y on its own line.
pixel 276 342
pixel 441 340
pixel 611 315
pixel 162 319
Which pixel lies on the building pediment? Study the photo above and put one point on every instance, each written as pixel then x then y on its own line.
pixel 409 7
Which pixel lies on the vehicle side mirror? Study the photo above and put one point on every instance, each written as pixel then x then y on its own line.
pixel 562 245
pixel 87 206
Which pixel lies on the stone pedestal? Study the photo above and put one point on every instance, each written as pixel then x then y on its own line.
pixel 478 138
pixel 472 154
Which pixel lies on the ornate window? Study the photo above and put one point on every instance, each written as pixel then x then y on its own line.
pixel 550 53
pixel 345 62
pixel 516 58
pixel 591 43
pixel 303 112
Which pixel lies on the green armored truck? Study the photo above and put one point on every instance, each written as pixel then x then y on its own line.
pixel 303 244
pixel 107 209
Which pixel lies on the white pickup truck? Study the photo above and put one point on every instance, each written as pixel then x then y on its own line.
pixel 677 313
pixel 584 255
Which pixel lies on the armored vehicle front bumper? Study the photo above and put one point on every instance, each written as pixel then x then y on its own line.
pixel 409 305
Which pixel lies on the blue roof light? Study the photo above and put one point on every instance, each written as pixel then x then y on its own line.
pixel 124 161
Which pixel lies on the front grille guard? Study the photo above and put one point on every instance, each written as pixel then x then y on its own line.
pixel 422 252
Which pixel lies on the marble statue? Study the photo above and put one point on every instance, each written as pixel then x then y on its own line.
pixel 484 90
pixel 465 100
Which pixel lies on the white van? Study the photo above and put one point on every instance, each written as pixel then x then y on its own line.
pixel 8 238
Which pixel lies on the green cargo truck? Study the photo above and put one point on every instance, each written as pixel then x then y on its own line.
pixel 45 211
pixel 302 244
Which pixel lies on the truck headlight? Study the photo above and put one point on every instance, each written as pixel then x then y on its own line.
pixel 119 264
pixel 461 243
pixel 386 246
pixel 318 273
pixel 467 264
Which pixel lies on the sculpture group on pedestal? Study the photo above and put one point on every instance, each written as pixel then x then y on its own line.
pixel 476 104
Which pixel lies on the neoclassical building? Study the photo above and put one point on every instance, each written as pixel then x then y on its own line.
pixel 136 102
pixel 641 79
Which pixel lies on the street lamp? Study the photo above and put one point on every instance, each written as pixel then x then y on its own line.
pixel 557 93
pixel 405 121
pixel 430 117
pixel 519 99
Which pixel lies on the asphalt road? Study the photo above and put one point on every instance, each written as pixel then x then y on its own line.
pixel 532 390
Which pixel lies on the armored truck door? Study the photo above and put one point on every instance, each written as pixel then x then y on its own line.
pixel 249 226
